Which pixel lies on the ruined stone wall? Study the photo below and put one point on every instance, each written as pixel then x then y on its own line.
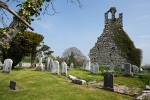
pixel 105 52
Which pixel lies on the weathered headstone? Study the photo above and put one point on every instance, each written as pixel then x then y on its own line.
pixel 55 68
pixel 111 67
pixel 48 63
pixel 108 81
pixel 64 68
pixel 88 64
pixel 94 68
pixel 40 66
pixel 127 69
pixel 7 65
pixel 12 85
pixel 71 66
pixel 135 69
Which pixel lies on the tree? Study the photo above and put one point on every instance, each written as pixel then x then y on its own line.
pixel 34 39
pixel 21 46
pixel 46 50
pixel 29 9
pixel 74 55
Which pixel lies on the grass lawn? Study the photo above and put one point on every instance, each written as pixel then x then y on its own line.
pixel 127 81
pixel 35 85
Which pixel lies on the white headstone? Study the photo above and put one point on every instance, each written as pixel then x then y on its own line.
pixel 64 68
pixel 88 65
pixel 94 68
pixel 7 65
pixel 48 64
pixel 55 68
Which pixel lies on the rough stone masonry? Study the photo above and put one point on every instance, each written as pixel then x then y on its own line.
pixel 105 52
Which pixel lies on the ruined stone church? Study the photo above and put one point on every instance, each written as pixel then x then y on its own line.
pixel 106 51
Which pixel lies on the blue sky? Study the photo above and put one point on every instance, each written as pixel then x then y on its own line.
pixel 75 27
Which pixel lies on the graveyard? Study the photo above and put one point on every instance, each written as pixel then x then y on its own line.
pixel 115 67
pixel 46 86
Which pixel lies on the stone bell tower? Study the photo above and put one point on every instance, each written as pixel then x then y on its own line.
pixel 105 52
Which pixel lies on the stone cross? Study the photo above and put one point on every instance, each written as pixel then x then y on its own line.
pixel 108 81
pixel 7 65
pixel 64 68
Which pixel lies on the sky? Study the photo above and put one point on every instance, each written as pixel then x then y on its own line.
pixel 80 27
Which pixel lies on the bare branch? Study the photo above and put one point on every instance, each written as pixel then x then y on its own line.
pixel 3 5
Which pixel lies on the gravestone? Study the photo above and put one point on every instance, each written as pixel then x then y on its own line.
pixel 88 64
pixel 64 68
pixel 7 65
pixel 135 69
pixel 127 69
pixel 55 67
pixel 71 66
pixel 108 81
pixel 40 66
pixel 79 81
pixel 12 85
pixel 48 63
pixel 94 68
pixel 111 67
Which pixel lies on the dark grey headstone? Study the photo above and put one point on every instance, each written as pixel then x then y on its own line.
pixel 109 81
pixel 12 85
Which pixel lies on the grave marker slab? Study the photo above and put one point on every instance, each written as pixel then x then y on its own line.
pixel 12 85
pixel 108 81
pixel 127 69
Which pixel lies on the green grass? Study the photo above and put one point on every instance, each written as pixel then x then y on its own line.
pixel 35 85
pixel 120 80
pixel 86 75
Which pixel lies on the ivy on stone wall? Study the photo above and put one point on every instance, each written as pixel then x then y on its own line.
pixel 126 45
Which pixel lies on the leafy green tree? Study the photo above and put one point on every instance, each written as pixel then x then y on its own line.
pixel 74 55
pixel 34 39
pixel 22 45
